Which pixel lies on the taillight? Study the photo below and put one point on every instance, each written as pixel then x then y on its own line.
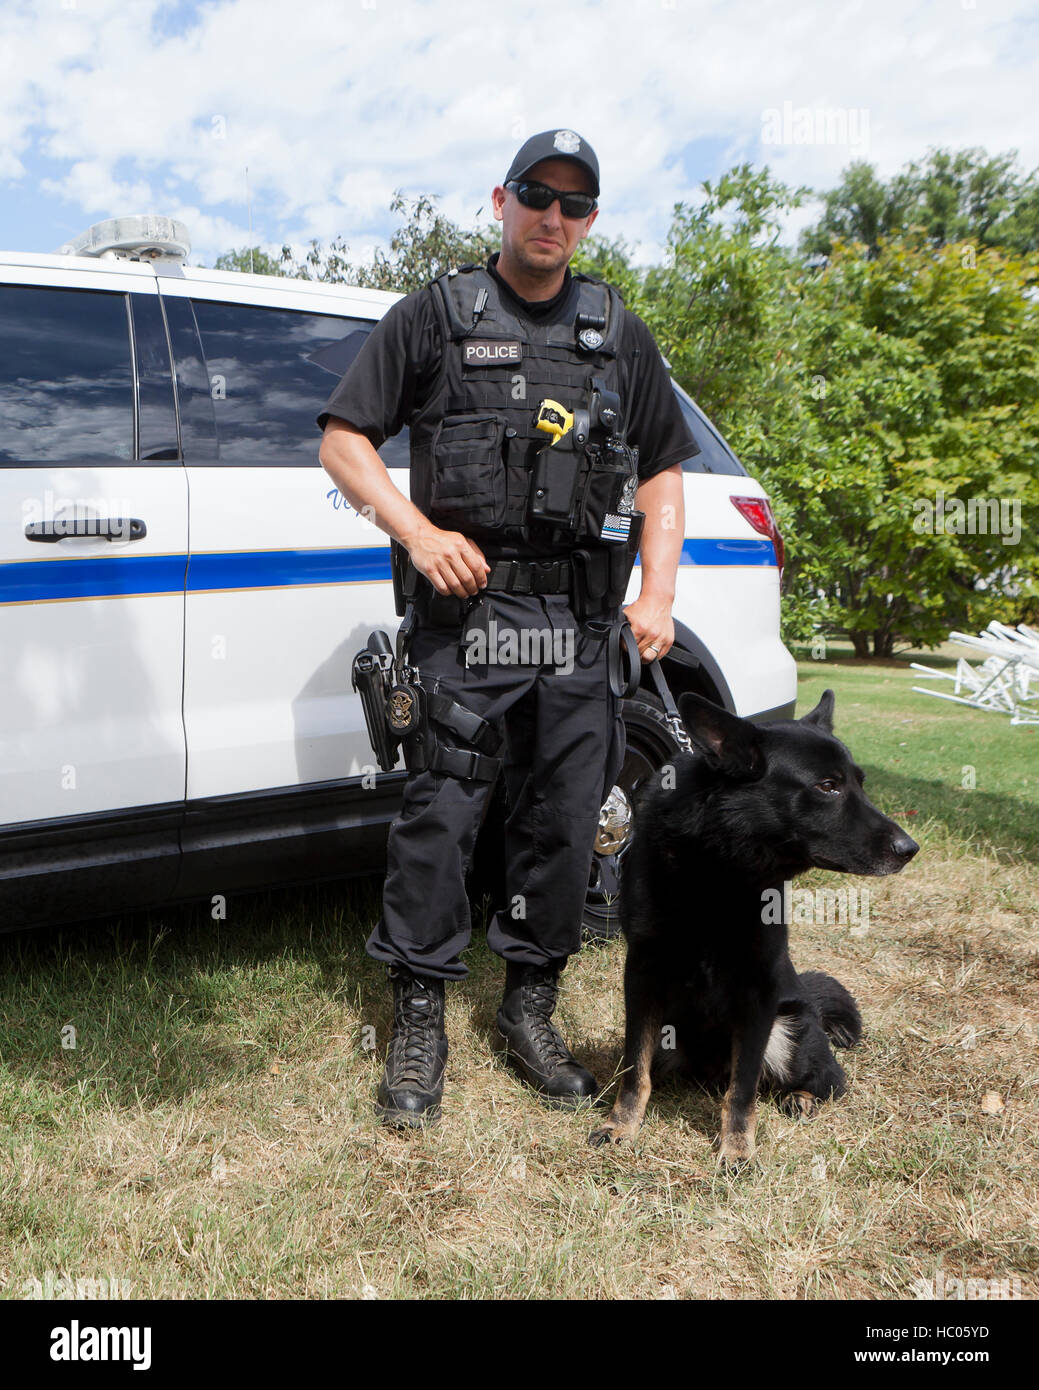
pixel 757 511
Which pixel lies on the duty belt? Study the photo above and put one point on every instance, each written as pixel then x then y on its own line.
pixel 530 576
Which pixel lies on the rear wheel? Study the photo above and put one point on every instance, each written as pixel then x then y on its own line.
pixel 650 743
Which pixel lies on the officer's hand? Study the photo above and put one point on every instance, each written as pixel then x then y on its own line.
pixel 451 562
pixel 651 626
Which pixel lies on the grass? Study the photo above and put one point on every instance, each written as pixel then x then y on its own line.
pixel 211 1134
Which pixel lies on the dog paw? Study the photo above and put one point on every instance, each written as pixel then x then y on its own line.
pixel 609 1134
pixel 802 1105
pixel 735 1153
pixel 734 1166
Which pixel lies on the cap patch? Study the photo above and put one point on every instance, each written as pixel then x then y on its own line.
pixel 567 142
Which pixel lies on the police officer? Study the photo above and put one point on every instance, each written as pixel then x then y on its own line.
pixel 528 391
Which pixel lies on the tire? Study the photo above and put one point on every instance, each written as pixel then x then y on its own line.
pixel 649 744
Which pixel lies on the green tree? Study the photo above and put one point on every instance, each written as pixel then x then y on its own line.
pixel 952 196
pixel 425 245
pixel 612 261
pixel 919 390
pixel 250 260
pixel 719 306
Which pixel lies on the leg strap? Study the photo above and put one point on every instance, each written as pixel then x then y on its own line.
pixel 463 722
pixel 425 750
pixel 463 763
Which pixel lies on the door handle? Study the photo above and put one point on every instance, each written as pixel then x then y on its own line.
pixel 109 528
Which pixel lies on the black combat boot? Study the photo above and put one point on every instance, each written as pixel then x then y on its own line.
pixel 532 1044
pixel 413 1081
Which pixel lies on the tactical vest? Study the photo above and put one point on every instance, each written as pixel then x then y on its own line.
pixel 474 443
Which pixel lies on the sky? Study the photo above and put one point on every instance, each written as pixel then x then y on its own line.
pixel 113 107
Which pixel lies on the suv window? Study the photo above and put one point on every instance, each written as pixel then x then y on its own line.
pixel 66 389
pixel 715 456
pixel 266 389
pixel 396 451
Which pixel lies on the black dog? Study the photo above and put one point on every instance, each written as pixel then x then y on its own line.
pixel 709 986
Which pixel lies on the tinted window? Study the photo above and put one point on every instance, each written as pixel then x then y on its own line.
pixel 195 404
pixel 266 390
pixel 156 418
pixel 66 392
pixel 715 456
pixel 395 453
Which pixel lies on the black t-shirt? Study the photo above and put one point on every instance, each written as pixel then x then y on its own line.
pixel 394 372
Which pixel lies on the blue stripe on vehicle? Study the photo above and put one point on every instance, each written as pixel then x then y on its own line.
pixel 728 552
pixel 129 575
pixel 118 577
pixel 261 569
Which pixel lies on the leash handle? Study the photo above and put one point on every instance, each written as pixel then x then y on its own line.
pixel 626 687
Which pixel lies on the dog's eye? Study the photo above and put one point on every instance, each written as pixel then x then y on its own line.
pixel 829 786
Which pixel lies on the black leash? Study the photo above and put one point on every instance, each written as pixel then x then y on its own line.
pixel 674 719
pixel 624 654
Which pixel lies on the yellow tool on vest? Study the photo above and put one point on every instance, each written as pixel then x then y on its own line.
pixel 554 419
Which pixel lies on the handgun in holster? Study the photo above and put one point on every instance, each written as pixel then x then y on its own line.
pixel 397 710
pixel 371 676
pixel 393 705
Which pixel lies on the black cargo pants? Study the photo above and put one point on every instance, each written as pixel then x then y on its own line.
pixel 563 746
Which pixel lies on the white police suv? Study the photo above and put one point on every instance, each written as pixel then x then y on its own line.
pixel 182 590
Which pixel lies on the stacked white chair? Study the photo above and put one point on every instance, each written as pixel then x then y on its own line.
pixel 1006 682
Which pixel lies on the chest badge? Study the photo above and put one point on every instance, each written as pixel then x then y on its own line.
pixel 491 352
pixel 590 339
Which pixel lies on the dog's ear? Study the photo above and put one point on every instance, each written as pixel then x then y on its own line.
pixel 729 743
pixel 822 714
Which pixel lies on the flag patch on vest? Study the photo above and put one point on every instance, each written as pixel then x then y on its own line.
pixel 615 528
pixel 491 352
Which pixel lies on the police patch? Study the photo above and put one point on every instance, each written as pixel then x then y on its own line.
pixel 491 352
pixel 567 141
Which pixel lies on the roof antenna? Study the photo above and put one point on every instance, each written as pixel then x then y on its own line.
pixel 249 204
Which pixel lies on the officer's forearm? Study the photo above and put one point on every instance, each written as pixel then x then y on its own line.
pixel 663 531
pixel 360 475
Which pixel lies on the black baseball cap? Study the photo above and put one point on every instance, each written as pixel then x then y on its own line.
pixel 555 144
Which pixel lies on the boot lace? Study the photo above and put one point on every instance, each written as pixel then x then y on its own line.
pixel 541 1003
pixel 415 1033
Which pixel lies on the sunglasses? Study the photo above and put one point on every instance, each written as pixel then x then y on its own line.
pixel 540 196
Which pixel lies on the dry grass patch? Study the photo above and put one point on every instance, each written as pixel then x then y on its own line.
pixel 212 1135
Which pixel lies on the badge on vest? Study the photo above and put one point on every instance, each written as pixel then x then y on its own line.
pixel 491 352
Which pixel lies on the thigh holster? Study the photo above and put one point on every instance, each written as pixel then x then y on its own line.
pixel 400 713
pixel 425 749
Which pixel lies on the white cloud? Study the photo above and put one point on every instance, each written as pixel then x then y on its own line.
pixel 332 106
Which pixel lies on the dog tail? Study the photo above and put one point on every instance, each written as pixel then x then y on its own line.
pixel 837 1009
